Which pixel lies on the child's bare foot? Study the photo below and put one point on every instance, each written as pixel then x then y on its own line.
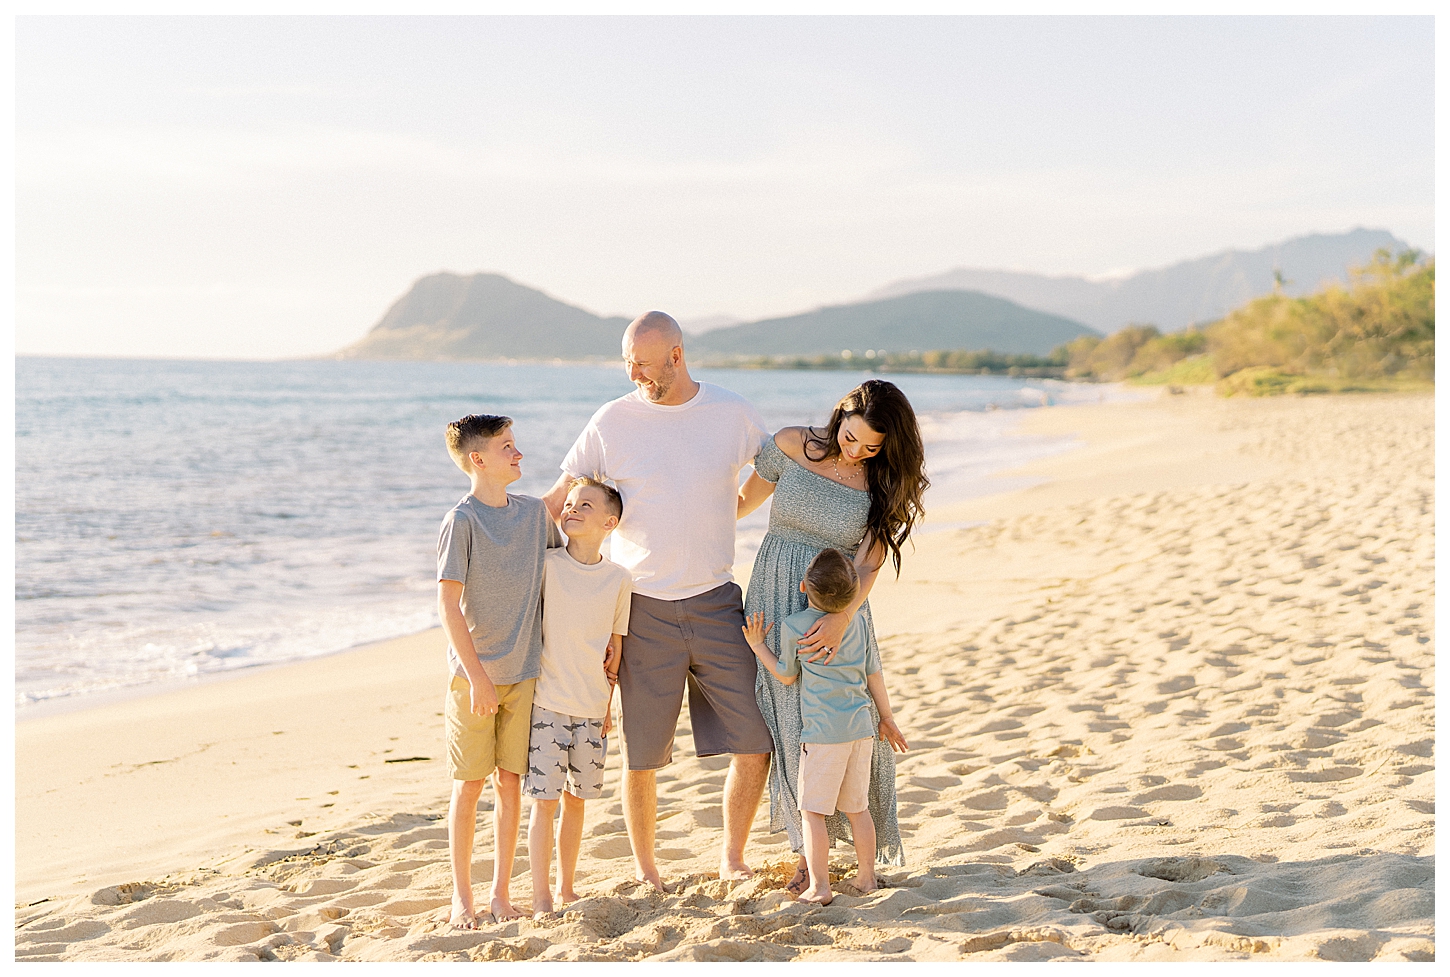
pixel 462 915
pixel 502 909
pixel 566 896
pixel 820 895
pixel 857 885
pixel 650 878
pixel 543 903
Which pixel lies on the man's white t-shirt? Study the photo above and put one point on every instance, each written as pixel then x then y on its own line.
pixel 678 470
pixel 583 605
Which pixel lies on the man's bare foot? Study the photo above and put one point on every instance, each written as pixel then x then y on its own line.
pixel 857 885
pixel 735 871
pixel 462 917
pixel 650 878
pixel 821 897
pixel 502 909
pixel 564 898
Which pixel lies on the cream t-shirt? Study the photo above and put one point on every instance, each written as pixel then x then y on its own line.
pixel 583 606
pixel 678 471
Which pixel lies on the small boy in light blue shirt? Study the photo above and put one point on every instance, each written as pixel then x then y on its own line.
pixel 837 734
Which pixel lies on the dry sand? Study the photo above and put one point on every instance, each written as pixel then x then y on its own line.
pixel 1175 702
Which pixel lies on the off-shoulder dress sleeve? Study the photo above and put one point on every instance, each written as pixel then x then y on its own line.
pixel 770 461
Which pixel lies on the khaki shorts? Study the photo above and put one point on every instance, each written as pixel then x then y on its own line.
pixel 834 776
pixel 478 744
pixel 693 643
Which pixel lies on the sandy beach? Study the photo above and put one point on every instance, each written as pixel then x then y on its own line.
pixel 1174 702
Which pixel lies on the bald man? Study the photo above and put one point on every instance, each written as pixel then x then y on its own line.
pixel 675 448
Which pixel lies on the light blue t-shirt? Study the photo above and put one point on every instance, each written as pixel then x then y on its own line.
pixel 835 706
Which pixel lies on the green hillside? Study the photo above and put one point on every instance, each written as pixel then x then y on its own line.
pixel 920 321
pixel 1377 334
pixel 447 317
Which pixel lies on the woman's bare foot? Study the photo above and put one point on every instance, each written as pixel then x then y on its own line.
pixel 820 896
pixel 543 903
pixel 502 909
pixel 799 880
pixel 564 897
pixel 650 878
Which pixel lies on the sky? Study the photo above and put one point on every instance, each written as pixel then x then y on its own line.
pixel 264 188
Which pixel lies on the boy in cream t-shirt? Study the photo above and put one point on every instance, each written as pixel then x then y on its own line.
pixel 586 611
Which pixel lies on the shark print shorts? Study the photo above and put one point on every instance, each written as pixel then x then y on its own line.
pixel 565 753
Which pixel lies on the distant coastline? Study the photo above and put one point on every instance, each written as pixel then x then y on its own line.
pixel 945 362
pixel 980 363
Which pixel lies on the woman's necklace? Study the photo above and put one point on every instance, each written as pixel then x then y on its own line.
pixel 860 471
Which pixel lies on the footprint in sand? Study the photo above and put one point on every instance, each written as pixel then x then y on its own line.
pixel 617 847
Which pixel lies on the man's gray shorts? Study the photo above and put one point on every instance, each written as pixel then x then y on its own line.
pixel 693 643
pixel 565 753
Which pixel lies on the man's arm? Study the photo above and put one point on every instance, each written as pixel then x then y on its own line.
pixel 483 697
pixel 585 457
pixel 554 498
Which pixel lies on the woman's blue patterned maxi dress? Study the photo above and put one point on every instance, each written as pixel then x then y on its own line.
pixel 808 513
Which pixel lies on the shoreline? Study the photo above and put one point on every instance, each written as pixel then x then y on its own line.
pixel 957 487
pixel 1201 647
pixel 82 701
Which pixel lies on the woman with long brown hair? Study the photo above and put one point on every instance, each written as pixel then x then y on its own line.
pixel 855 484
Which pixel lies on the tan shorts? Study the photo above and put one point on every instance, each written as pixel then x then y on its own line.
pixel 478 744
pixel 834 776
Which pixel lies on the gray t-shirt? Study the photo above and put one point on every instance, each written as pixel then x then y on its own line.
pixel 497 553
pixel 835 705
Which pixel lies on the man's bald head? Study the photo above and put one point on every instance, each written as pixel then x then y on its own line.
pixel 655 327
pixel 654 357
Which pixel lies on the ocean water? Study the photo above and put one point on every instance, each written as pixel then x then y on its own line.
pixel 179 518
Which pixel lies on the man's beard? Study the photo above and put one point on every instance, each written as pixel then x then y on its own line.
pixel 661 385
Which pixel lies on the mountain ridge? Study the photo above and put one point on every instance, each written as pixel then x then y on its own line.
pixel 481 316
pixel 946 319
pixel 486 315
pixel 1174 296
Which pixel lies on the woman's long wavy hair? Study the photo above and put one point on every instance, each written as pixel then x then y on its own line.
pixel 896 475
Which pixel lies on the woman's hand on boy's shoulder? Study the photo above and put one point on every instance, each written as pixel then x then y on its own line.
pixel 819 645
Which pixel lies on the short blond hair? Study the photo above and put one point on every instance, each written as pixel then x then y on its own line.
pixel 467 434
pixel 612 499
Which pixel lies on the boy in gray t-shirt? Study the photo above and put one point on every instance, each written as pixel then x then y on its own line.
pixel 490 572
pixel 837 732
